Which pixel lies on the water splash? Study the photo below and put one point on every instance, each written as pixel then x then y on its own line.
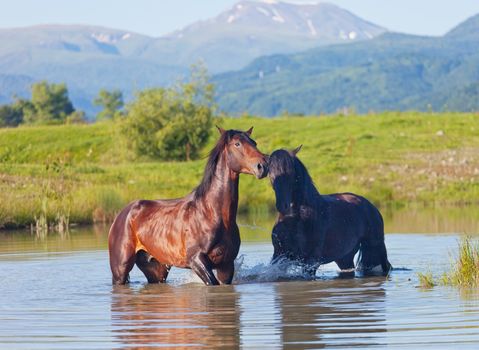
pixel 266 272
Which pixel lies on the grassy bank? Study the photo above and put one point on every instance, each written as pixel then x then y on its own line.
pixel 87 173
pixel 464 272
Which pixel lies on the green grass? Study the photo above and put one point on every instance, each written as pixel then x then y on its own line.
pixel 426 280
pixel 395 159
pixel 464 272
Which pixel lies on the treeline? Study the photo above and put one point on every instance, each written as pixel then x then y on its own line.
pixel 161 123
pixel 49 105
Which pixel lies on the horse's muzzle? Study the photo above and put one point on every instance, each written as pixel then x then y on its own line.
pixel 260 170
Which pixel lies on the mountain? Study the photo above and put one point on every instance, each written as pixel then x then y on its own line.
pixel 466 30
pixel 391 72
pixel 256 28
pixel 86 58
pixel 89 58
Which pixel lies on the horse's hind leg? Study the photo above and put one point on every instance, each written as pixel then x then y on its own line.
pixel 121 248
pixel 154 271
pixel 346 264
pixel 121 265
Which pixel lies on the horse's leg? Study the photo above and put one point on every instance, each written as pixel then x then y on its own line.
pixel 121 269
pixel 201 265
pixel 154 271
pixel 309 270
pixel 121 263
pixel 225 272
pixel 346 264
pixel 373 251
pixel 121 249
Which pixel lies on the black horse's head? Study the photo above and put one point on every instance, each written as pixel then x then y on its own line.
pixel 283 174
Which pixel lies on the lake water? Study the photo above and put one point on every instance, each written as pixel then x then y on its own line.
pixel 56 294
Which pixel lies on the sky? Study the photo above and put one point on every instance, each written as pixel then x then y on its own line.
pixel 158 17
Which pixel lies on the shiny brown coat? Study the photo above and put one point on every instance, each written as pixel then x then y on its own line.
pixel 198 231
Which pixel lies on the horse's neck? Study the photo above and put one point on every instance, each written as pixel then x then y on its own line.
pixel 224 193
pixel 308 196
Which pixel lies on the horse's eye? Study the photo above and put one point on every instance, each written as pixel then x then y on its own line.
pixel 237 144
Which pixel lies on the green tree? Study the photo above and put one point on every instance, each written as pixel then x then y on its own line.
pixel 49 104
pixel 10 115
pixel 77 117
pixel 172 123
pixel 111 101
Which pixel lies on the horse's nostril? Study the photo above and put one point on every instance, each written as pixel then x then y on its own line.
pixel 259 166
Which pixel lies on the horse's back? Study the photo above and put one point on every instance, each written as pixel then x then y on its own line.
pixel 143 223
pixel 348 201
pixel 355 214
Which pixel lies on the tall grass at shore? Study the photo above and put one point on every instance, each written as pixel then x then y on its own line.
pixel 395 159
pixel 464 272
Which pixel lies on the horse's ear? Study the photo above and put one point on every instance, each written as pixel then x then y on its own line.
pixel 220 129
pixel 296 150
pixel 249 131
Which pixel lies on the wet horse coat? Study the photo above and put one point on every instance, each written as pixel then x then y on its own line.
pixel 314 229
pixel 198 231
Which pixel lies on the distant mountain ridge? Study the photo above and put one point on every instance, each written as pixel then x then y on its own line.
pixel 89 58
pixel 391 72
pixel 257 28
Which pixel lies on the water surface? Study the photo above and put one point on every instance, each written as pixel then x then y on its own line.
pixel 56 294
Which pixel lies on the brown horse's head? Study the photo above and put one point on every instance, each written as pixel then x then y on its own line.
pixel 242 156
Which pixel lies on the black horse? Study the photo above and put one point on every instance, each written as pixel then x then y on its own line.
pixel 314 229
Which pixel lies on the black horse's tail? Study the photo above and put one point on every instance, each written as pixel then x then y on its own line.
pixel 372 249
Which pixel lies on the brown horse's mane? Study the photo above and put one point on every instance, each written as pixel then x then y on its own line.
pixel 213 159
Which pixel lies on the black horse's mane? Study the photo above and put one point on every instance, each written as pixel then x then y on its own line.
pixel 213 159
pixel 283 163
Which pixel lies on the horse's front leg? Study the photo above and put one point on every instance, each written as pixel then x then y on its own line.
pixel 225 272
pixel 309 270
pixel 202 266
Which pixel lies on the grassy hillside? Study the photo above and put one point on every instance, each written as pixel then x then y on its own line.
pixel 390 72
pixel 394 159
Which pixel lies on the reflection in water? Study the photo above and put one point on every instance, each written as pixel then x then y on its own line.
pixel 180 317
pixel 425 220
pixel 67 301
pixel 260 316
pixel 349 313
pixel 289 314
pixel 433 220
pixel 78 239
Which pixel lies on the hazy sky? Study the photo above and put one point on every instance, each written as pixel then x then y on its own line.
pixel 157 17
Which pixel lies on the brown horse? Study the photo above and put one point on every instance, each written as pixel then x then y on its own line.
pixel 198 231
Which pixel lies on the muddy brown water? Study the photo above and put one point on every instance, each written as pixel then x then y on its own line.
pixel 56 294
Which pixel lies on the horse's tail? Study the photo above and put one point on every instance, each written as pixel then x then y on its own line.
pixel 372 249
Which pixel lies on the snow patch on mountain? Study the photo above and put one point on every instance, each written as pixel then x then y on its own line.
pixel 311 27
pixel 103 38
pixel 263 11
pixel 277 17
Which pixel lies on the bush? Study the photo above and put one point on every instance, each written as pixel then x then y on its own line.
pixel 49 104
pixel 10 115
pixel 111 101
pixel 172 123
